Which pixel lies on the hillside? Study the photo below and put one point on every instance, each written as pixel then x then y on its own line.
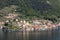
pixel 43 9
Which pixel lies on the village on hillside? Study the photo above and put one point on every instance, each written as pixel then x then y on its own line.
pixel 14 23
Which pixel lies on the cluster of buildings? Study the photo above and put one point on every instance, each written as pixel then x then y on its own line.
pixel 32 25
pixel 37 25
pixel 11 16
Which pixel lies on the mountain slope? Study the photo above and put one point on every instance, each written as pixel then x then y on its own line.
pixel 47 9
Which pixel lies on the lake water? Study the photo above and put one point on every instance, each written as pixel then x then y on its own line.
pixel 51 35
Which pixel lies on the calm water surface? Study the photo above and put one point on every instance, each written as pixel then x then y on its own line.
pixel 51 35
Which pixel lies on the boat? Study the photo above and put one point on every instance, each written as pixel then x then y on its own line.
pixel 4 29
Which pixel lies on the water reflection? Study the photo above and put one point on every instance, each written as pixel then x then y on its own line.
pixel 51 35
pixel 5 36
pixel 25 35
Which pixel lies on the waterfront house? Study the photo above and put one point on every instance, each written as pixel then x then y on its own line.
pixel 59 24
pixel 1 24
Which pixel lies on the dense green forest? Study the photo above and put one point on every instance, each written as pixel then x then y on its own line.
pixel 42 9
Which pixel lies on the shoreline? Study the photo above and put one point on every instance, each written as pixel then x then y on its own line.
pixel 6 30
pixel 34 25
